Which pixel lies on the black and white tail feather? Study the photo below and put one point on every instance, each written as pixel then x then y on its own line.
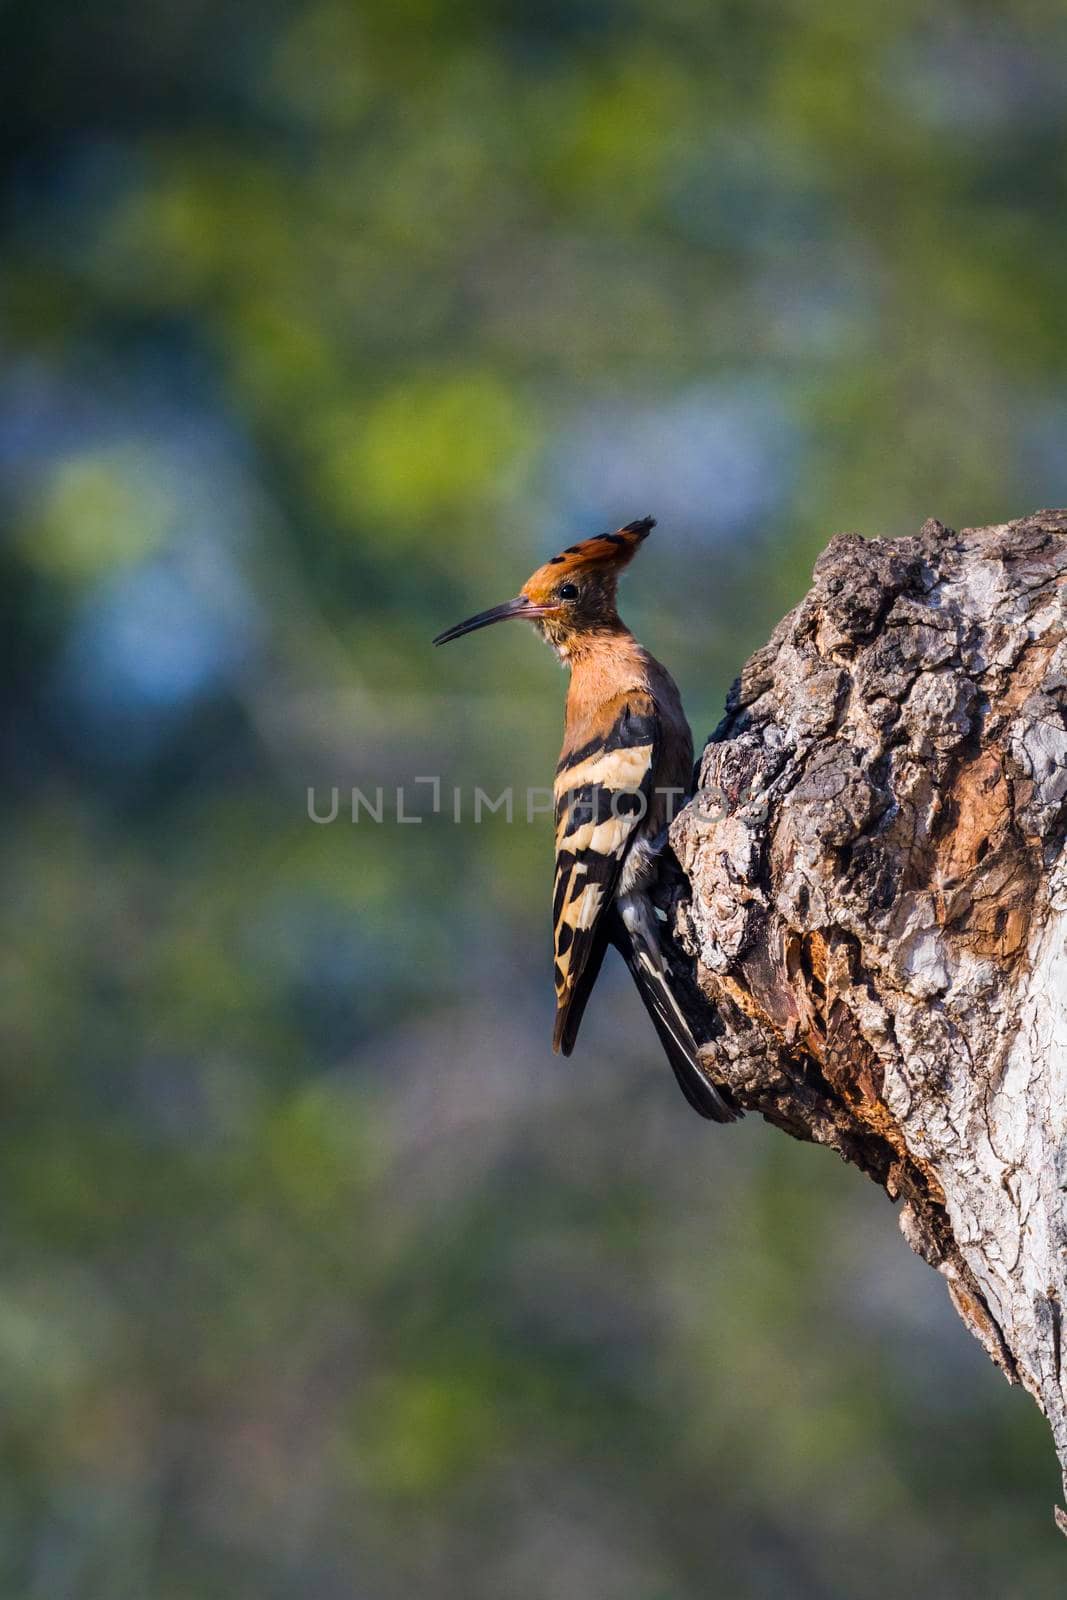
pixel 652 978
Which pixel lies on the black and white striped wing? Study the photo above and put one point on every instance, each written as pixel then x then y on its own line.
pixel 603 792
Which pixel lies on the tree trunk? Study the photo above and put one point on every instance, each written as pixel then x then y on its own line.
pixel 876 907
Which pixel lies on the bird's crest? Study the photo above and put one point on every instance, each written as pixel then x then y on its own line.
pixel 605 553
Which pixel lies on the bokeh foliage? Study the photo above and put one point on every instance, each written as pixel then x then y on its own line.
pixel 321 325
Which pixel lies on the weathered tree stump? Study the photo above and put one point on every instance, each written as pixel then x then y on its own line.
pixel 876 907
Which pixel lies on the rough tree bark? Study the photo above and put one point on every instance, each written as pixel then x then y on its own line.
pixel 876 907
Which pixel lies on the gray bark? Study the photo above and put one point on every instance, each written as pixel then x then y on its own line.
pixel 876 905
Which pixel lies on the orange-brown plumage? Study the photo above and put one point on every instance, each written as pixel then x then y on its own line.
pixel 626 761
pixel 605 554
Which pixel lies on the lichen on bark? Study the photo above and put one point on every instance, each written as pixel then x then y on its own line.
pixel 875 904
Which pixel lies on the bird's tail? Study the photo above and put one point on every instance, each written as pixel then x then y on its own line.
pixel 674 1032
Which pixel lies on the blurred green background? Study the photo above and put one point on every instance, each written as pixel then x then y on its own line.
pixel 321 325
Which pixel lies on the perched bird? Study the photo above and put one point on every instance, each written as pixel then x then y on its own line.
pixel 627 753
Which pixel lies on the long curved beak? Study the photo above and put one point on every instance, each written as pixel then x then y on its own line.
pixel 520 607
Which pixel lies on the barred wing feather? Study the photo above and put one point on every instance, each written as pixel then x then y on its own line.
pixel 603 791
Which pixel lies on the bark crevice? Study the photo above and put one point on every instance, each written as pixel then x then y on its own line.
pixel 874 904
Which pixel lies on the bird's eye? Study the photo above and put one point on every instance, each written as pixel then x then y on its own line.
pixel 568 591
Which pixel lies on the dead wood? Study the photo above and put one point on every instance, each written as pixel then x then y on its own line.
pixel 876 904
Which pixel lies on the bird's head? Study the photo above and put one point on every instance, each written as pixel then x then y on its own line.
pixel 571 595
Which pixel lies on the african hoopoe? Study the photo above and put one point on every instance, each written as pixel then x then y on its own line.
pixel 627 751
